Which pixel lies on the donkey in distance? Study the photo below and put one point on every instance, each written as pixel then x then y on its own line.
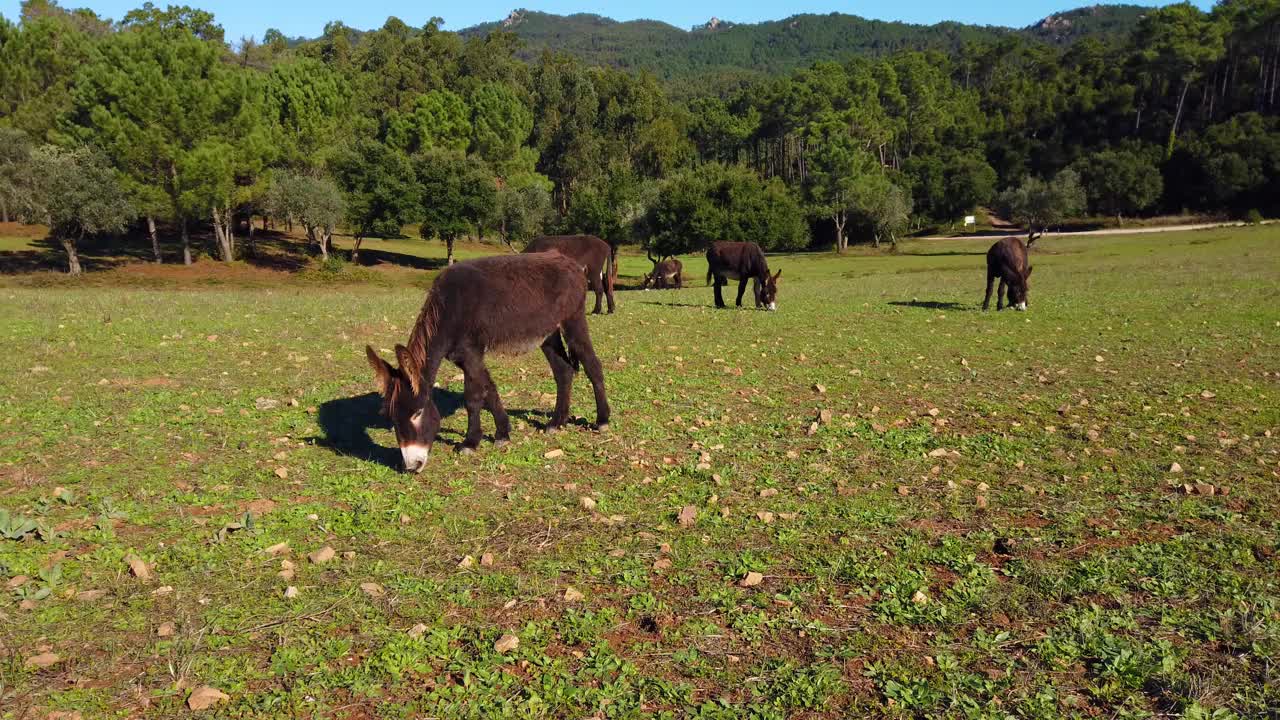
pixel 1007 260
pixel 594 255
pixel 742 262
pixel 667 273
pixel 507 304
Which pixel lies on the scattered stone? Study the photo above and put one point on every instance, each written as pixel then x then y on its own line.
pixel 1175 468
pixel 323 555
pixel 765 517
pixel 665 548
pixel 572 595
pixel 981 502
pixel 166 629
pixel 90 595
pixel 1208 395
pixel 278 549
pixel 266 404
pixel 903 490
pixel 417 630
pixel 825 416
pixel 372 589
pixel 813 429
pixel 587 502
pixel 506 644
pixel 1099 358
pixel 688 515
pixel 291 592
pixel 820 389
pixel 162 590
pixel 467 562
pixel 282 473
pixel 16 581
pixel 983 487
pixel 919 598
pixel 752 579
pixel 768 492
pixel 1206 489
pixel 938 452
pixel 138 567
pixel 661 564
pixel 553 454
pixel 203 698
pixel 42 661
pixel 486 560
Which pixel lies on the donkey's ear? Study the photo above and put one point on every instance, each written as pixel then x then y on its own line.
pixel 777 275
pixel 409 368
pixel 1029 269
pixel 380 369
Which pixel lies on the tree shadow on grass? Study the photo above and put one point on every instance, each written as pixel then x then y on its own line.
pixel 932 305
pixel 96 254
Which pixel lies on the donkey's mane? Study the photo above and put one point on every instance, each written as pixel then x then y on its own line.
pixel 420 339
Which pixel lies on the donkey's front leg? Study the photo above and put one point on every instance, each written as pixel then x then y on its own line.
pixel 473 390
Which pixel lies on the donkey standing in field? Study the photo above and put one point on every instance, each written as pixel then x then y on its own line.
pixel 593 254
pixel 666 273
pixel 506 304
pixel 1007 260
pixel 742 262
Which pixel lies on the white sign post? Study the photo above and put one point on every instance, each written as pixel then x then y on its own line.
pixel 970 220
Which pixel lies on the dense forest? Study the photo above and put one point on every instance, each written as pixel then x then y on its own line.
pixel 158 124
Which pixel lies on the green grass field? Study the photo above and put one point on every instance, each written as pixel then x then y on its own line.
pixel 1067 513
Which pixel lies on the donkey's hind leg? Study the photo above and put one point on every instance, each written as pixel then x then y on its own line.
pixel 578 336
pixel 474 389
pixel 562 370
pixel 1000 294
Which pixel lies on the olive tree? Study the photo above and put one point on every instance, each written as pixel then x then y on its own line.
pixel 78 194
pixel 314 203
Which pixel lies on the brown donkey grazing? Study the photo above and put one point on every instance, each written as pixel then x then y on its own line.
pixel 742 262
pixel 506 304
pixel 666 274
pixel 593 255
pixel 1007 260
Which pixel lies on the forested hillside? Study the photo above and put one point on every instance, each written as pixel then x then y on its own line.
pixel 725 52
pixel 461 135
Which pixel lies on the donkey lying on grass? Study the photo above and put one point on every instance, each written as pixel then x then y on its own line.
pixel 506 304
pixel 668 273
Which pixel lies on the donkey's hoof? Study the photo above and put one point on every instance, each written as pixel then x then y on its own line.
pixel 501 442
pixel 464 450
pixel 602 427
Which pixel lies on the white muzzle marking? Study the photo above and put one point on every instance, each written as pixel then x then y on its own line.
pixel 415 457
pixel 773 306
pixel 1022 307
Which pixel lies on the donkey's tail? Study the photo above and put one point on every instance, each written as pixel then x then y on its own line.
pixel 709 274
pixel 611 272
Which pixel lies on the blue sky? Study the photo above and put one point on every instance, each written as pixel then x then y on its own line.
pixel 308 17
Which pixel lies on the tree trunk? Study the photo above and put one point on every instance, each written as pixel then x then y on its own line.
pixel 250 248
pixel 4 210
pixel 1177 118
pixel 186 244
pixel 355 248
pixel 73 257
pixel 155 240
pixel 449 244
pixel 842 243
pixel 224 234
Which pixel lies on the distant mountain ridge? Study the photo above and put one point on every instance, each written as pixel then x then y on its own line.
pixel 724 48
